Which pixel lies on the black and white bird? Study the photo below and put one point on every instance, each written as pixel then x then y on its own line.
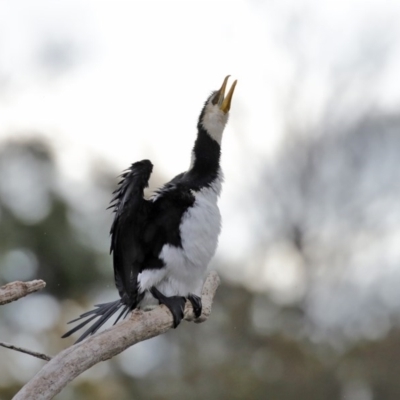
pixel 162 246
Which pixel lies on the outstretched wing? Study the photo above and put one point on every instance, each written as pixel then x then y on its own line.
pixel 131 213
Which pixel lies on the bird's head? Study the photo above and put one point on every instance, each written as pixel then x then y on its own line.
pixel 214 115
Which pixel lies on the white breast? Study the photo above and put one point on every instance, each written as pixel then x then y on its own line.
pixel 186 265
pixel 200 228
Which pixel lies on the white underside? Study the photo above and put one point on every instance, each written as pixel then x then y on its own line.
pixel 185 267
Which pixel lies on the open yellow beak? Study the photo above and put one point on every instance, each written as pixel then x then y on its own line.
pixel 225 102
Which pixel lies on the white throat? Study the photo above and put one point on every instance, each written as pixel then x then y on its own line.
pixel 214 121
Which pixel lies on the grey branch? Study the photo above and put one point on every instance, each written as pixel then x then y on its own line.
pixel 15 290
pixel 78 358
pixel 26 351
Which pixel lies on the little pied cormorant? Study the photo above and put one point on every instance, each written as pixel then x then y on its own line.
pixel 162 246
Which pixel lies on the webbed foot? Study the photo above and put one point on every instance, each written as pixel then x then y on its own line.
pixel 196 303
pixel 175 304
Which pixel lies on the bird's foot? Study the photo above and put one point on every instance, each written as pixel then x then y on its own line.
pixel 196 303
pixel 175 304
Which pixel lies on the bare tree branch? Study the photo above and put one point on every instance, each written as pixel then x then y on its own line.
pixel 78 358
pixel 42 356
pixel 15 290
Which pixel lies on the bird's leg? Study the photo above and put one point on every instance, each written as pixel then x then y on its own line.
pixel 175 304
pixel 196 303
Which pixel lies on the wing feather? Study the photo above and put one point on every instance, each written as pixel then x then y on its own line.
pixel 131 213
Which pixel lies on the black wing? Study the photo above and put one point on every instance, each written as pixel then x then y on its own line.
pixel 131 213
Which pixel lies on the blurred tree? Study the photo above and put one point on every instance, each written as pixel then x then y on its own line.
pixel 28 178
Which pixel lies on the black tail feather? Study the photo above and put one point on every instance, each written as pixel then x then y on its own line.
pixel 76 328
pixel 87 313
pixel 104 311
pixel 127 309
